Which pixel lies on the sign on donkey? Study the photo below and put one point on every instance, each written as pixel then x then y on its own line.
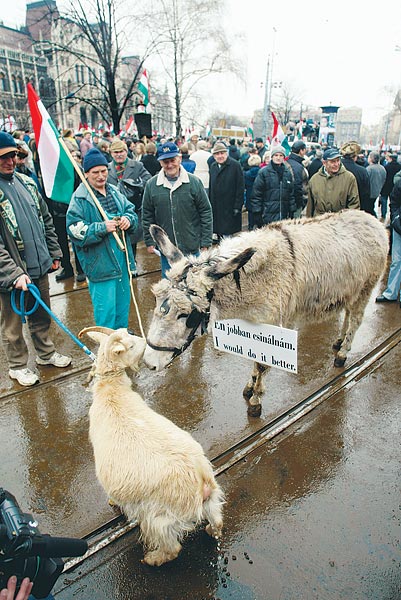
pixel 266 344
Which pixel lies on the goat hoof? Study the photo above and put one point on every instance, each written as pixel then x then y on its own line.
pixel 214 532
pixel 254 410
pixel 337 345
pixel 339 362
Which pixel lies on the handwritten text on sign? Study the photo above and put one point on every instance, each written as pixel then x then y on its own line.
pixel 267 344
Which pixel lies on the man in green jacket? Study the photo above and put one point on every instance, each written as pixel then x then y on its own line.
pixel 332 188
pixel 176 201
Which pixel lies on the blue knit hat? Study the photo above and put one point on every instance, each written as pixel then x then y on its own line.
pixel 7 143
pixel 93 158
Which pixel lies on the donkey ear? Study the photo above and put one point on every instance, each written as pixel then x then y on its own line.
pixel 161 239
pixel 224 267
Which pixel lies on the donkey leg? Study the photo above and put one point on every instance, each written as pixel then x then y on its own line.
pixel 345 325
pixel 256 389
pixel 356 312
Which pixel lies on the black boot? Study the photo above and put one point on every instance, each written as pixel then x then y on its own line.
pixel 64 275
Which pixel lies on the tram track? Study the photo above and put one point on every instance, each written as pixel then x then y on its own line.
pixel 118 527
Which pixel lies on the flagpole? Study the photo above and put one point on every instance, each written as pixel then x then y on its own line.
pixel 88 187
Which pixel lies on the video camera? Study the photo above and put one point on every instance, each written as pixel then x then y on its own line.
pixel 25 552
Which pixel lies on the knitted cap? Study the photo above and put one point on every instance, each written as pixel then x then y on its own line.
pixel 93 158
pixel 7 143
pixel 277 150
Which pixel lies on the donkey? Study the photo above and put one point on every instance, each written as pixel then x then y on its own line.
pixel 288 270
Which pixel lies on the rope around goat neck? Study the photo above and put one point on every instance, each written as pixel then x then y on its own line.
pixel 131 286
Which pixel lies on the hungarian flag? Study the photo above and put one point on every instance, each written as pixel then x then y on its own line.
pixel 250 129
pixel 278 136
pixel 55 164
pixel 143 87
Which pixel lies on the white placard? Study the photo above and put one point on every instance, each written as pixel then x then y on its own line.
pixel 266 344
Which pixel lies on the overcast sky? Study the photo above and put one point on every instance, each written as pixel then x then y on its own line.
pixel 342 52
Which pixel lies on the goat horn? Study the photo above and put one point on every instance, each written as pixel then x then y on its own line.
pixel 106 330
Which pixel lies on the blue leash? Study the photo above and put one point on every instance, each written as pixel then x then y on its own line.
pixel 38 300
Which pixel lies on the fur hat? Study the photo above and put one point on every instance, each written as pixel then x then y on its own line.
pixel 219 147
pixel 277 150
pixel 350 149
pixel 118 146
pixel 93 158
pixel 7 143
pixel 254 160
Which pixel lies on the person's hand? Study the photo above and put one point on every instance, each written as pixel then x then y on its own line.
pixel 151 249
pixel 24 591
pixel 55 264
pixel 124 223
pixel 22 282
pixel 236 212
pixel 111 225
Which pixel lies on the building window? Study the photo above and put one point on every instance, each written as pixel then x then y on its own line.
pixel 77 73
pixel 3 83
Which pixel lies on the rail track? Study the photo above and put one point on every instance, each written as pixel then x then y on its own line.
pixel 117 527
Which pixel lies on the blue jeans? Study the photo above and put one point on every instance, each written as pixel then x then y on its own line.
pixel 392 291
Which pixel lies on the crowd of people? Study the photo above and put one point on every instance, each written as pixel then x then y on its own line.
pixel 197 190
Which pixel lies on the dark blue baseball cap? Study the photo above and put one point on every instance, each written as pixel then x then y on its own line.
pixel 331 154
pixel 167 150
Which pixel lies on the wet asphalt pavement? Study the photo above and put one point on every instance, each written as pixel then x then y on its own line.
pixel 312 514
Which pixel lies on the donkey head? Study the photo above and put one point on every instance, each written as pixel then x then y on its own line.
pixel 183 300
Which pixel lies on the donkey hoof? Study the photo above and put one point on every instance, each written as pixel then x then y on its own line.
pixel 339 362
pixel 247 393
pixel 254 410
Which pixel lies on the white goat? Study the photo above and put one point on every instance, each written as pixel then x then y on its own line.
pixel 156 472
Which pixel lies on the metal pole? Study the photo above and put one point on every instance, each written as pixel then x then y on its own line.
pixel 266 106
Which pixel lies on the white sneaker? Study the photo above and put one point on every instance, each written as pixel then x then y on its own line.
pixel 56 360
pixel 24 376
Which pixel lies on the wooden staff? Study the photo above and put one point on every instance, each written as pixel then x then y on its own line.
pixel 88 187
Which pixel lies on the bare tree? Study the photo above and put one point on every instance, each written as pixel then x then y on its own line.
pixel 193 45
pixel 286 103
pixel 100 34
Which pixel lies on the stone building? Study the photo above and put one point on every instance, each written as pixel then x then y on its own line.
pixel 69 84
pixel 348 125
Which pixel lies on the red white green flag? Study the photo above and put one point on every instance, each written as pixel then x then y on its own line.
pixel 278 136
pixel 55 164
pixel 143 87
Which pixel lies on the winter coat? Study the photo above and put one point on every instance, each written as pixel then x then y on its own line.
pixel 272 198
pixel 151 163
pixel 234 152
pixel 188 164
pixel 362 179
pixel 226 192
pixel 200 157
pixel 377 177
pixel 91 240
pixel 301 178
pixel 135 173
pixel 182 209
pixel 12 263
pixel 391 169
pixel 332 193
pixel 250 176
pixel 314 166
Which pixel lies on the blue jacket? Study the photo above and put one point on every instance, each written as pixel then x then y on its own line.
pixel 95 247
